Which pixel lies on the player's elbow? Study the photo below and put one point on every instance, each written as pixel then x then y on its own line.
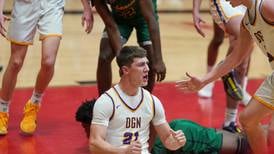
pixel 153 26
pixel 92 145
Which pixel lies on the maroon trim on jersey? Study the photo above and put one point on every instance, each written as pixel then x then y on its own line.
pixel 126 103
pixel 255 16
pixel 113 111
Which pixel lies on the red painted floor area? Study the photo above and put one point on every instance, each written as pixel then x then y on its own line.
pixel 59 133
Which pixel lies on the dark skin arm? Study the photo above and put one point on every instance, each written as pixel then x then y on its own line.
pixel 157 59
pixel 111 26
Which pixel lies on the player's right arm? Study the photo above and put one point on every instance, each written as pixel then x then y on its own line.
pixel 196 17
pixel 97 143
pixel 239 53
pixel 87 17
pixel 111 26
pixel 102 112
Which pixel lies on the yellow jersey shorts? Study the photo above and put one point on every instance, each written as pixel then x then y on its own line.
pixel 222 11
pixel 29 16
pixel 265 93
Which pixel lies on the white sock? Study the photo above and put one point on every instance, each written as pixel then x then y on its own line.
pixel 230 116
pixel 36 98
pixel 245 83
pixel 246 95
pixel 4 105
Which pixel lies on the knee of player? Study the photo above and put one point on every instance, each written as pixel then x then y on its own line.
pixel 246 121
pixel 48 63
pixel 16 64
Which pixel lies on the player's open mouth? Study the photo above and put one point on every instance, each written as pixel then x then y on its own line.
pixel 145 77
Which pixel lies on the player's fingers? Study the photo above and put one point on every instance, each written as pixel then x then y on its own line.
pixel 188 75
pixel 182 140
pixel 182 83
pixel 83 21
pixel 136 143
pixel 6 18
pixel 202 21
pixel 184 86
pixel 163 76
pixel 178 133
pixel 136 152
pixel 199 29
pixel 2 31
pixel 88 27
pixel 179 136
pixel 172 132
pixel 136 149
pixel 201 33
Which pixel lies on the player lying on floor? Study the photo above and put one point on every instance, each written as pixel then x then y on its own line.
pixel 199 139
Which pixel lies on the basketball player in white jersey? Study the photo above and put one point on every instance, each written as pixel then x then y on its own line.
pixel 123 114
pixel 29 16
pixel 228 19
pixel 257 24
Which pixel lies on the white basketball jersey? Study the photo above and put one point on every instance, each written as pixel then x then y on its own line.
pixel 222 11
pixel 261 30
pixel 130 124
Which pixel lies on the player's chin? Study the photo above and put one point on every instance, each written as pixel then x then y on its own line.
pixel 144 83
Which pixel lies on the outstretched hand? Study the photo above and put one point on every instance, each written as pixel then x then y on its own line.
pixel 192 84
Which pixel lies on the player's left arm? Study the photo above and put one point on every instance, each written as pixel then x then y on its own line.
pixel 154 30
pixel 111 26
pixel 170 138
pixel 268 10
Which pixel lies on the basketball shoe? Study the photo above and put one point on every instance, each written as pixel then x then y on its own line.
pixel 28 124
pixel 4 116
pixel 232 127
